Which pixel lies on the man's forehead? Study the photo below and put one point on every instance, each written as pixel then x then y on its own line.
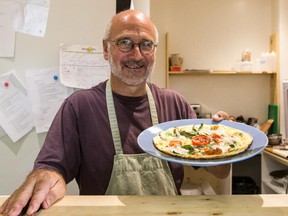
pixel 137 24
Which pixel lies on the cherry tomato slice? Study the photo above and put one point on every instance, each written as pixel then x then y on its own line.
pixel 175 142
pixel 217 138
pixel 200 140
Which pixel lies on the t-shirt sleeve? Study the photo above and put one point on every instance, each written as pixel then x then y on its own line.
pixel 61 151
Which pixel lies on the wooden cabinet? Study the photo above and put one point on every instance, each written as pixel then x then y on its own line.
pixel 271 162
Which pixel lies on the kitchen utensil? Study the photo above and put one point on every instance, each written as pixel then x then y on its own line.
pixel 275 139
pixel 278 175
pixel 265 127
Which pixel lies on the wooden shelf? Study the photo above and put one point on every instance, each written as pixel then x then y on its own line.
pixel 274 77
pixel 219 72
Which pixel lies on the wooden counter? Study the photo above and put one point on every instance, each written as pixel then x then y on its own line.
pixel 274 155
pixel 169 205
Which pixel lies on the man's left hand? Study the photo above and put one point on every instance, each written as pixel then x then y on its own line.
pixel 220 115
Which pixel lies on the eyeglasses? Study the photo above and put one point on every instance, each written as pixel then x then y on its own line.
pixel 126 45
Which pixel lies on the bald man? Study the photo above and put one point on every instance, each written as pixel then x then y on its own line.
pixel 93 137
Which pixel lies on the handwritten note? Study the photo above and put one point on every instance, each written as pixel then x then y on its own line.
pixel 82 66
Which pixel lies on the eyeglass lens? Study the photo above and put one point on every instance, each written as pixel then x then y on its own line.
pixel 126 45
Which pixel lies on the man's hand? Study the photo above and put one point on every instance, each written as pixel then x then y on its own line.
pixel 41 188
pixel 220 115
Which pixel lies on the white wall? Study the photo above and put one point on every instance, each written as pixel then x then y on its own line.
pixel 212 34
pixel 143 6
pixel 71 22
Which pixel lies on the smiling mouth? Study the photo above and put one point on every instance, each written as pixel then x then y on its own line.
pixel 134 65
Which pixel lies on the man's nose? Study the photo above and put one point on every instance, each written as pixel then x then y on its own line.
pixel 136 52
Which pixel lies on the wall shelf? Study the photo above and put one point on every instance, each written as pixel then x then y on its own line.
pixel 274 77
pixel 219 72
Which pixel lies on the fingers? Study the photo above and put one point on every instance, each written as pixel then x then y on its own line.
pixel 50 188
pixel 220 115
pixel 39 194
pixel 56 192
pixel 42 187
pixel 18 200
pixel 3 207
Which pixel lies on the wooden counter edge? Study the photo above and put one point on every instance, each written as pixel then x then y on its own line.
pixel 267 200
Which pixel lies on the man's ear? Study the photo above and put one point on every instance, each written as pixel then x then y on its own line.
pixel 105 49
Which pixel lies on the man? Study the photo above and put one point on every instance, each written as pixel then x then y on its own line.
pixel 93 136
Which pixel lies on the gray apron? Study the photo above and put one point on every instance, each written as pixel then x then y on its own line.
pixel 137 174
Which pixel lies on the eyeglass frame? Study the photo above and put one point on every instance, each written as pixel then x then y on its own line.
pixel 116 42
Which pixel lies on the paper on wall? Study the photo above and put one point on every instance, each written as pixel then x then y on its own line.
pixel 2 132
pixel 82 66
pixel 46 94
pixel 31 17
pixel 7 33
pixel 15 111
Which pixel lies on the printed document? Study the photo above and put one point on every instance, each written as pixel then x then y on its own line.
pixel 15 111
pixel 7 33
pixel 31 17
pixel 46 94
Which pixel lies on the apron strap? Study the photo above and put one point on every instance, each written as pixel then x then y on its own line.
pixel 113 118
pixel 152 106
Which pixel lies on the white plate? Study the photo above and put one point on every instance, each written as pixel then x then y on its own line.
pixel 145 141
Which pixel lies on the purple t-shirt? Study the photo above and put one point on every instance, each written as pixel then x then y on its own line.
pixel 79 143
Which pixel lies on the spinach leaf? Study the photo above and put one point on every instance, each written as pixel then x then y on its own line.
pixel 189 148
pixel 188 134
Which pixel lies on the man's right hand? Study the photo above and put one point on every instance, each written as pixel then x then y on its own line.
pixel 41 188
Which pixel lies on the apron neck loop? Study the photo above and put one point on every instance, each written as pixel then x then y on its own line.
pixel 113 118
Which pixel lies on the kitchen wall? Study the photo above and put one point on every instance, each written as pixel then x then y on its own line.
pixel 212 34
pixel 70 22
pixel 85 21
